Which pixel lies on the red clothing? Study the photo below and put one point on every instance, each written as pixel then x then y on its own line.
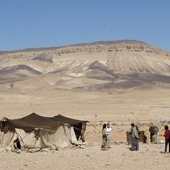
pixel 167 134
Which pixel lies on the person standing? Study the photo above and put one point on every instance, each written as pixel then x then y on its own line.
pixel 104 137
pixel 108 130
pixel 138 131
pixel 134 138
pixel 167 138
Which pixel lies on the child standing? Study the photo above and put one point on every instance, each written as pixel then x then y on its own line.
pixel 167 138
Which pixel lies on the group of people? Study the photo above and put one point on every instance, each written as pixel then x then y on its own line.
pixel 134 135
pixel 106 132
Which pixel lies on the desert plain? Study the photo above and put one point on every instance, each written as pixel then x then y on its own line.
pixel 144 107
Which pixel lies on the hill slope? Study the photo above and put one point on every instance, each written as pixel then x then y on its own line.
pixel 95 66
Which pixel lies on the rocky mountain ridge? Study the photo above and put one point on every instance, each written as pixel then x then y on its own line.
pixel 94 66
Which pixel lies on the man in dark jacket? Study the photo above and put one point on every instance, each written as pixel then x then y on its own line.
pixel 134 138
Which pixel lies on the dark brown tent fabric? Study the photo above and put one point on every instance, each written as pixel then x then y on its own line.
pixel 68 120
pixel 1 125
pixel 30 122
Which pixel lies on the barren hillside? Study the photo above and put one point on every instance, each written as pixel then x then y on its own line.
pixel 101 65
pixel 95 79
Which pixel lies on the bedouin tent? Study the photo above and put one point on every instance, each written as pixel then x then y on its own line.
pixel 35 132
pixel 79 126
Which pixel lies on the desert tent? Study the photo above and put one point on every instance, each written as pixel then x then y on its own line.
pixel 78 125
pixel 36 132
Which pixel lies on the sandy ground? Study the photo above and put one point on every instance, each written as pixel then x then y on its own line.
pixel 91 157
pixel 146 108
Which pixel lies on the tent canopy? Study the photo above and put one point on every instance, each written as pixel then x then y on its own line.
pixel 30 122
pixel 72 122
pixel 35 132
pixel 34 120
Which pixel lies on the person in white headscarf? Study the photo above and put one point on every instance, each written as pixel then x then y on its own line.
pixel 108 130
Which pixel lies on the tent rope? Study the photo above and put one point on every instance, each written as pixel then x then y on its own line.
pixel 76 128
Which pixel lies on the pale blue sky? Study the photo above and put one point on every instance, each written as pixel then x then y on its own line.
pixel 49 23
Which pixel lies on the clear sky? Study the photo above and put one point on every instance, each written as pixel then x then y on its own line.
pixel 49 23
